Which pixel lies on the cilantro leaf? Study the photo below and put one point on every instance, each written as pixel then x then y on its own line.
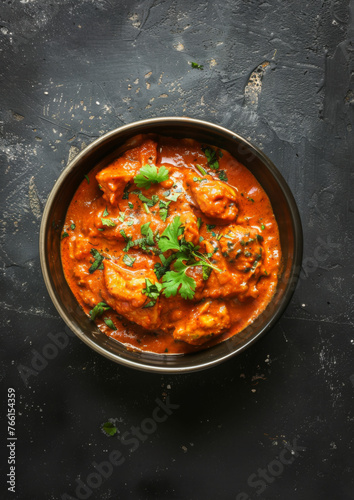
pixel 206 272
pixel 110 323
pixel 173 196
pixel 161 269
pixel 222 176
pixel 87 178
pixel 178 281
pixel 163 212
pixel 105 213
pixel 109 428
pixel 149 202
pixel 152 291
pixel 128 261
pixel 98 263
pixel 64 235
pixel 149 174
pixel 98 310
pixel 211 157
pixel 108 222
pixel 169 238
pixel 146 231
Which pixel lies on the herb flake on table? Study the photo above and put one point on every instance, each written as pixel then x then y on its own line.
pixel 197 66
pixel 109 429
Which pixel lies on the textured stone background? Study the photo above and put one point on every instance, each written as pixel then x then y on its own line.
pixel 277 72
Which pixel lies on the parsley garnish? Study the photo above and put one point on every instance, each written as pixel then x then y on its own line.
pixel 128 261
pixel 108 222
pixel 87 178
pixel 72 227
pixel 98 263
pixel 130 205
pixel 105 213
pixel 197 66
pixel 210 227
pixel 64 235
pixel 110 323
pixel 263 227
pixel 98 310
pixel 149 174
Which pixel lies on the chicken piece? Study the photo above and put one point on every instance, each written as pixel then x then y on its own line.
pixel 204 321
pixel 190 224
pixel 214 198
pixel 115 177
pixel 124 294
pixel 89 284
pixel 241 261
pixel 242 247
pixel 79 247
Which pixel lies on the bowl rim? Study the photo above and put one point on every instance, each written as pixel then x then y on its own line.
pixel 292 279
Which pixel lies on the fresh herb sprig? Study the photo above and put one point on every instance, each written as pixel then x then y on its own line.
pixel 187 255
pixel 150 174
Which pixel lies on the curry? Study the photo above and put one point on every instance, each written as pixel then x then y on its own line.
pixel 172 247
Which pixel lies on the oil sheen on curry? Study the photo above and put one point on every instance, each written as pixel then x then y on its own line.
pixel 172 247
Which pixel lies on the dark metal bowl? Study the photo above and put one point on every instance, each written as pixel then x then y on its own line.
pixel 103 150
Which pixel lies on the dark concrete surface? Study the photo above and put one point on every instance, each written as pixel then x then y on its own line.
pixel 277 421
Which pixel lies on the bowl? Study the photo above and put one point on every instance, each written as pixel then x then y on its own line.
pixel 109 146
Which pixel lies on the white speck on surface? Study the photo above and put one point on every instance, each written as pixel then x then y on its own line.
pixel 179 47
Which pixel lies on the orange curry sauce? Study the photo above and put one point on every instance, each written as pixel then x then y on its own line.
pixel 231 220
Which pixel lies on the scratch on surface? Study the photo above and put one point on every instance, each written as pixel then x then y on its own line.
pixel 253 87
pixel 33 311
pixel 34 202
